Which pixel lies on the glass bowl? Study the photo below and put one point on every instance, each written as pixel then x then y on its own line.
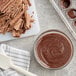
pixel 50 32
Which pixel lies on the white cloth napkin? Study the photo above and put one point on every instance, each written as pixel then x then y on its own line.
pixel 19 57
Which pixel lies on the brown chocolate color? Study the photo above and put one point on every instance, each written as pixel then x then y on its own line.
pixel 65 3
pixel 72 13
pixel 54 50
pixel 75 23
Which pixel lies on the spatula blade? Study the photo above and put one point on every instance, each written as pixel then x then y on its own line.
pixel 5 61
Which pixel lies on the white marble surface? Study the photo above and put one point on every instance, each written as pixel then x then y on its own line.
pixel 48 19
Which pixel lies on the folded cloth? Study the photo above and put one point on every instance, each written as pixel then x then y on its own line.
pixel 19 57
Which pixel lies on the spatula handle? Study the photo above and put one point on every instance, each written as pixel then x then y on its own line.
pixel 22 71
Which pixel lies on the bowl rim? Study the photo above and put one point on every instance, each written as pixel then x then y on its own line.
pixel 41 62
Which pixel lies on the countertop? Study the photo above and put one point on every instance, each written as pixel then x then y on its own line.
pixel 48 19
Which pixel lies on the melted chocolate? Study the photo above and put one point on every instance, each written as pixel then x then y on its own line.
pixel 54 50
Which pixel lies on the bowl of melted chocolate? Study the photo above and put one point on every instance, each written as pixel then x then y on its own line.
pixel 53 49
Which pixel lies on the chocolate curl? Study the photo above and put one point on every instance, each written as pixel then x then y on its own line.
pixel 5 6
pixel 16 33
pixel 29 2
pixel 28 20
pixel 17 17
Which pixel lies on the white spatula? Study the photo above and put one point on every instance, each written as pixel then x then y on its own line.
pixel 6 62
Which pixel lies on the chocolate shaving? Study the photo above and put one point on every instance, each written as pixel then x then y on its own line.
pixel 1 13
pixel 18 24
pixel 14 17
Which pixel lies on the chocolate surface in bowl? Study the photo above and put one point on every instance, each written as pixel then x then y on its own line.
pixel 54 49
